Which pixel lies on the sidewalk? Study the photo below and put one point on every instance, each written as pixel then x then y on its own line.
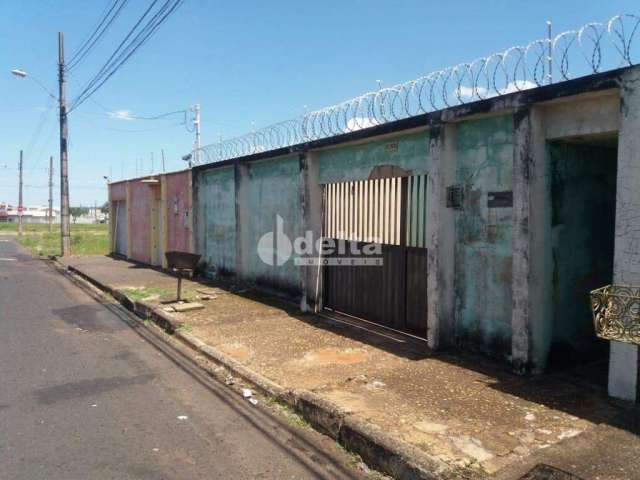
pixel 465 412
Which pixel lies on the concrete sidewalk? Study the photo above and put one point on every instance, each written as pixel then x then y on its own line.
pixel 469 415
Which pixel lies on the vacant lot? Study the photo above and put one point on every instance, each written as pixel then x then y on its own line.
pixel 85 239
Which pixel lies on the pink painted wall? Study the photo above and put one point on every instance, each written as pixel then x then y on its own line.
pixel 118 191
pixel 140 221
pixel 178 200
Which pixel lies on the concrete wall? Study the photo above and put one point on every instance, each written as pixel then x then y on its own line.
pixel 214 198
pixel 118 191
pixel 483 261
pixel 177 211
pixel 139 207
pixel 491 270
pixel 355 162
pixel 272 193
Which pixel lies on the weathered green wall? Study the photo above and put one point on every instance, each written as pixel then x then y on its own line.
pixel 583 188
pixel 355 162
pixel 483 251
pixel 215 217
pixel 273 189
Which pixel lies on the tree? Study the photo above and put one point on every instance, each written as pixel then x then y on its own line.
pixel 78 212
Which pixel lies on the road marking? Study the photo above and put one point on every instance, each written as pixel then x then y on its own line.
pixel 7 259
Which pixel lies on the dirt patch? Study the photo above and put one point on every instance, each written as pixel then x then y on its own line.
pixel 236 350
pixel 333 356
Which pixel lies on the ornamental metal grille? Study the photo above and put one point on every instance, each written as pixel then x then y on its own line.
pixel 616 313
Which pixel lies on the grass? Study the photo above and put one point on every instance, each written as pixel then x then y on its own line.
pixel 86 239
pixel 184 328
pixel 139 294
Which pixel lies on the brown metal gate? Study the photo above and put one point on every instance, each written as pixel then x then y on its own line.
pixel 391 214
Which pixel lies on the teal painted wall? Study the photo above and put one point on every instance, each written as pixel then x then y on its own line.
pixel 273 189
pixel 215 217
pixel 483 251
pixel 583 191
pixel 355 162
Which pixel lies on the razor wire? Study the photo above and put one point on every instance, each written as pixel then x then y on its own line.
pixel 594 48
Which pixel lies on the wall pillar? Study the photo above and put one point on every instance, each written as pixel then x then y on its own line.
pixel 164 233
pixel 241 173
pixel 304 214
pixel 191 221
pixel 312 221
pixel 440 238
pixel 529 321
pixel 129 242
pixel 623 364
pixel 111 221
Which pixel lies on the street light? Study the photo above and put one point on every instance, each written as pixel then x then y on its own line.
pixel 22 74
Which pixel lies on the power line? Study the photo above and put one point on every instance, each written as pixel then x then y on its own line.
pixel 139 36
pixel 98 33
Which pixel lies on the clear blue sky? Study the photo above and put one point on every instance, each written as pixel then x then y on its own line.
pixel 243 61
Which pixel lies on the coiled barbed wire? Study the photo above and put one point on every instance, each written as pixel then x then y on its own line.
pixel 594 48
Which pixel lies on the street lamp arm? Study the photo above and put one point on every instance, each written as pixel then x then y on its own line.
pixel 22 74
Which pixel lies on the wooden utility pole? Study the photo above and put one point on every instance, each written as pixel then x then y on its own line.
pixel 20 207
pixel 50 194
pixel 65 230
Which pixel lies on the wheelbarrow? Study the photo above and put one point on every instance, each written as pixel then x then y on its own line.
pixel 181 263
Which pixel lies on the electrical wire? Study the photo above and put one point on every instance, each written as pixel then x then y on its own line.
pixel 98 33
pixel 135 39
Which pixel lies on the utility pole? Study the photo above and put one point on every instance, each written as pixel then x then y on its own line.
pixel 196 124
pixel 65 231
pixel 20 207
pixel 163 170
pixel 50 194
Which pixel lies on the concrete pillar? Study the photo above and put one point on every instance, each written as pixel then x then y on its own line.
pixel 197 214
pixel 623 364
pixel 440 237
pixel 312 221
pixel 530 319
pixel 164 233
pixel 112 240
pixel 304 214
pixel 129 242
pixel 242 218
pixel 189 206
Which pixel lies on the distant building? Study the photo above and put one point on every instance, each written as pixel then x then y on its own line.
pixel 92 215
pixel 31 214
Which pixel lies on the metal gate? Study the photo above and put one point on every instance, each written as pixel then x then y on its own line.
pixel 389 215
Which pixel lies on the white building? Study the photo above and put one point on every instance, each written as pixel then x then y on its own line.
pixel 30 214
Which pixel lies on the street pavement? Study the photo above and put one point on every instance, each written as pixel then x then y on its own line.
pixel 85 394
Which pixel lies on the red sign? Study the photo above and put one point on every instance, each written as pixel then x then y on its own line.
pixel 20 209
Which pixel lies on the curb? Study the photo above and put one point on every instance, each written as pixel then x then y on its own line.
pixel 376 448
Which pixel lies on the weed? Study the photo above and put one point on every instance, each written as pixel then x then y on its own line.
pixel 184 328
pixel 138 294
pixel 293 419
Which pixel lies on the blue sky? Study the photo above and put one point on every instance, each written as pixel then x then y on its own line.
pixel 245 62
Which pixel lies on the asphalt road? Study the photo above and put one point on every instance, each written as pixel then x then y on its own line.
pixel 84 395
